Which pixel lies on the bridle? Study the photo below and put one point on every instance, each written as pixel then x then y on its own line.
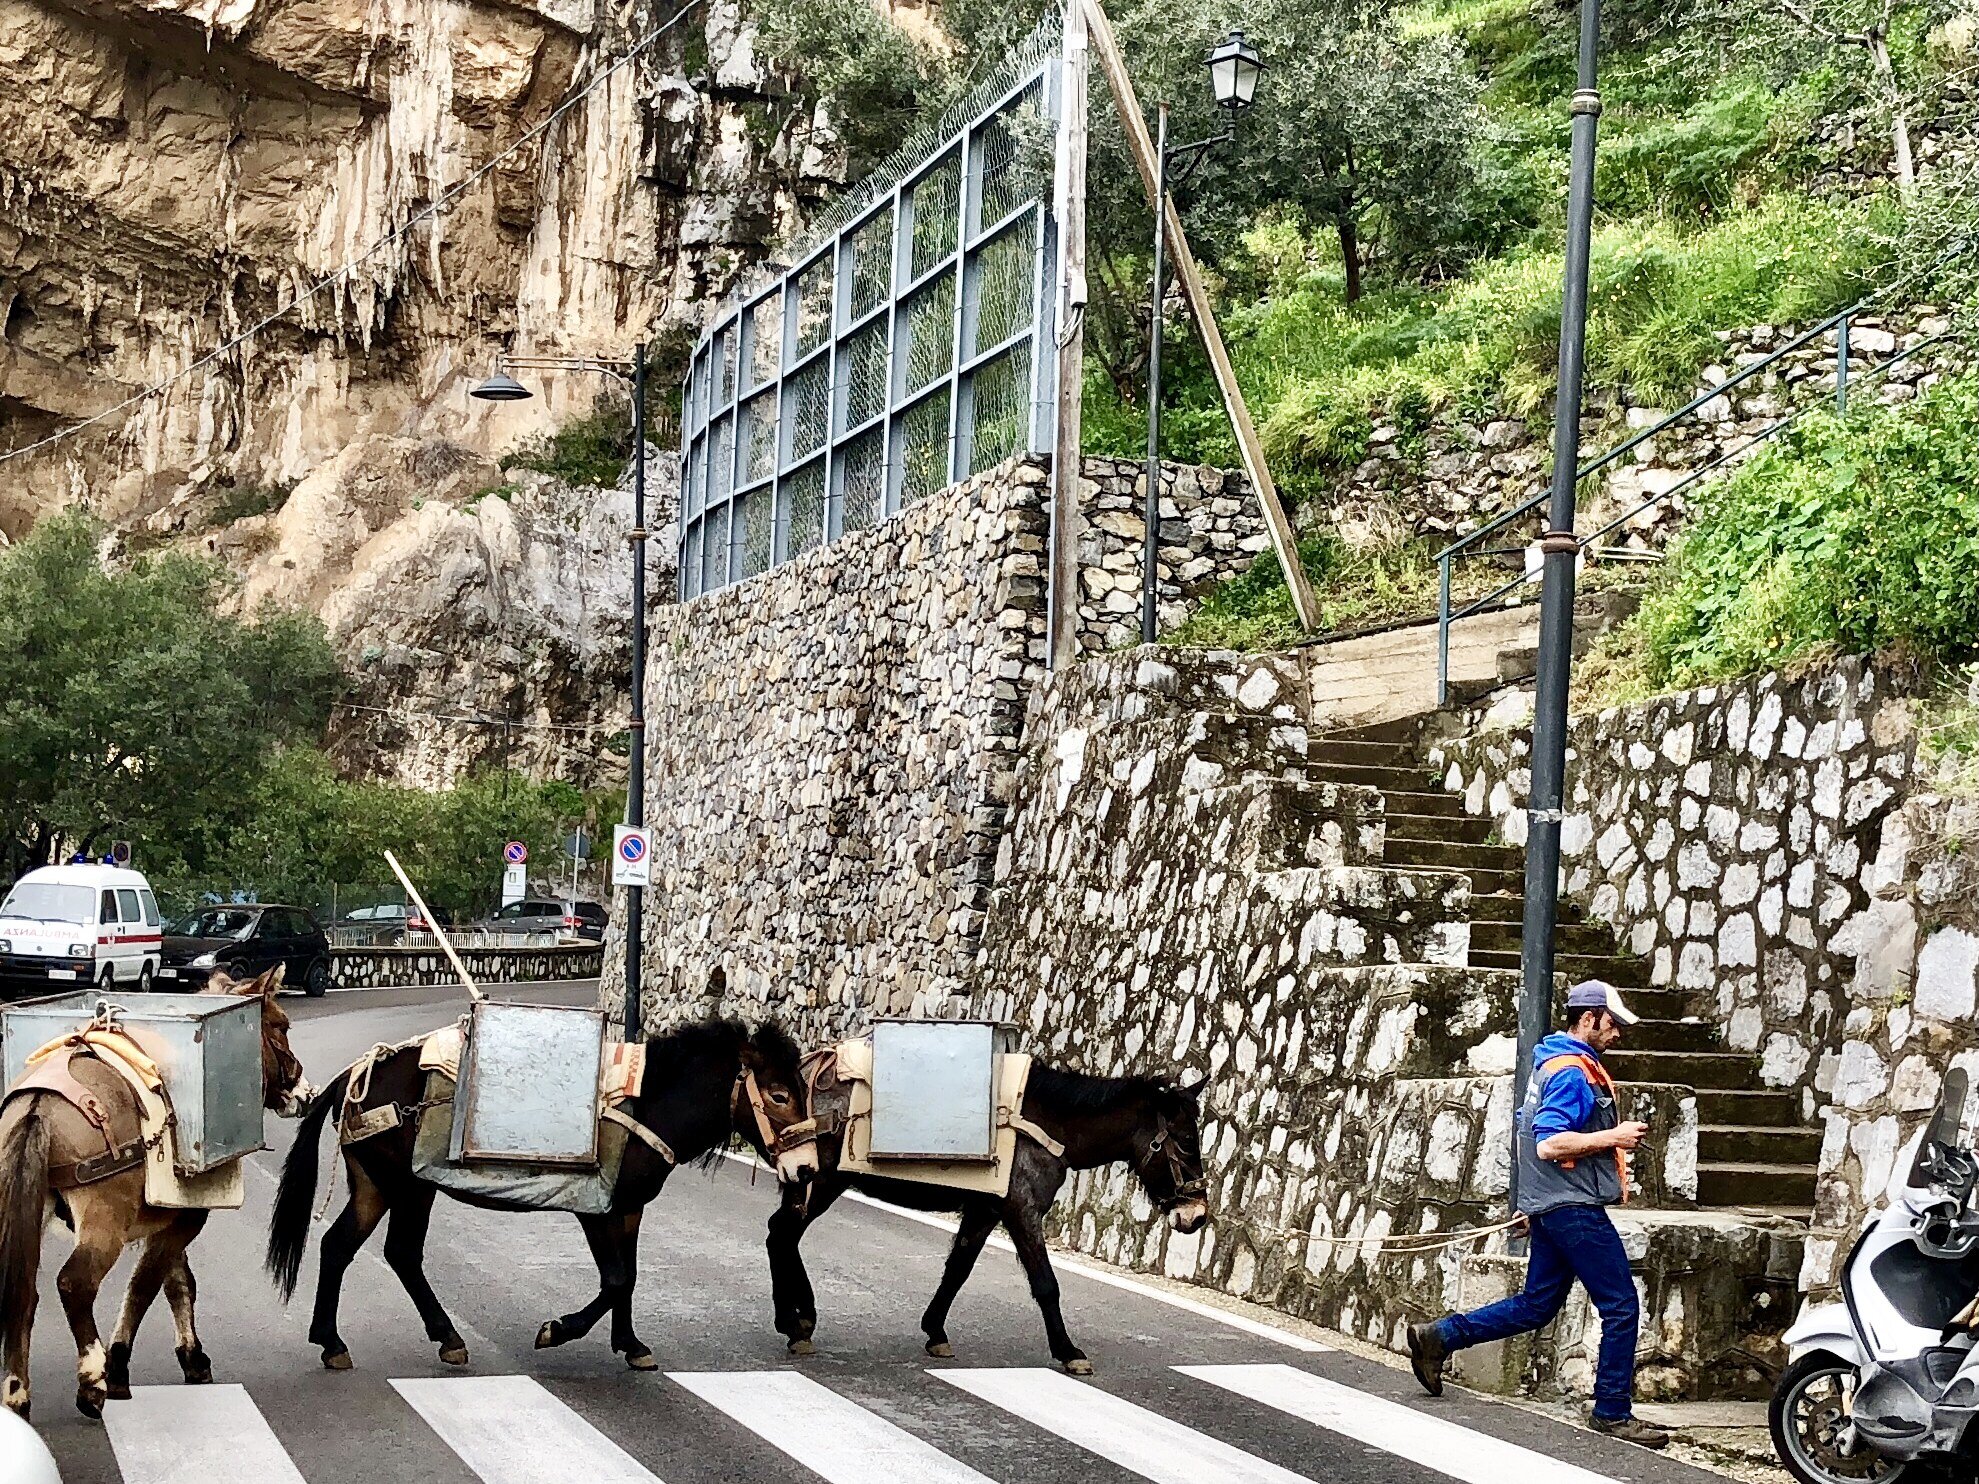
pixel 774 1141
pixel 1182 1188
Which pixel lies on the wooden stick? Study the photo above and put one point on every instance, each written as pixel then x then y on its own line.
pixel 1067 519
pixel 433 926
pixel 1107 47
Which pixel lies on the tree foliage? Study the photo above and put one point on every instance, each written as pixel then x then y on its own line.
pixel 131 705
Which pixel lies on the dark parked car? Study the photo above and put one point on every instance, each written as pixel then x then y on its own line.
pixel 564 916
pixel 246 939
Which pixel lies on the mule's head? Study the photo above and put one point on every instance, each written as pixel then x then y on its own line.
pixel 1168 1155
pixel 284 1089
pixel 769 1090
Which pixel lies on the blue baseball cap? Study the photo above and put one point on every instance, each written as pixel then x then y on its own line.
pixel 1594 994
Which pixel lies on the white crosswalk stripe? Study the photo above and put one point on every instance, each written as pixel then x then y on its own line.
pixel 195 1435
pixel 1406 1432
pixel 509 1430
pixel 835 1438
pixel 512 1430
pixel 1145 1442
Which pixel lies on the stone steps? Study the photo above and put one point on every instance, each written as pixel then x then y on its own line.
pixel 1728 1070
pixel 1727 1143
pixel 1755 1185
pixel 1755 1152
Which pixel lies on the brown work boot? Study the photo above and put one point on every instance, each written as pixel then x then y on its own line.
pixel 1632 1430
pixel 1426 1355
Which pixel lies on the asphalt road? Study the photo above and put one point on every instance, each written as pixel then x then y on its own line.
pixel 1183 1395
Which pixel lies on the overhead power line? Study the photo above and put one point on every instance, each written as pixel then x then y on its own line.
pixel 440 204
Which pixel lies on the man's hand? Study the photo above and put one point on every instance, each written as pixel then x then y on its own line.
pixel 1628 1135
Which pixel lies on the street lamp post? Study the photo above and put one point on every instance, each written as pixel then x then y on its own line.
pixel 1234 69
pixel 1556 604
pixel 503 387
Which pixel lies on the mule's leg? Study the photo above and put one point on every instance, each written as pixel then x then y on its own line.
pixel 790 1284
pixel 99 1243
pixel 182 1293
pixel 358 1219
pixel 1026 1226
pixel 162 1250
pixel 405 1250
pixel 576 1325
pixel 978 1221
pixel 624 1341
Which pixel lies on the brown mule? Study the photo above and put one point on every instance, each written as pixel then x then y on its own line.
pixel 43 1138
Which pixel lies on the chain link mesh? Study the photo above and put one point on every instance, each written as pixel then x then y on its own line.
pixel 807 404
pixel 924 448
pixel 871 251
pixel 804 489
pixel 759 429
pixel 765 341
pixel 936 206
pixel 862 480
pixel 813 298
pixel 927 333
pixel 758 531
pixel 1000 403
pixel 1004 280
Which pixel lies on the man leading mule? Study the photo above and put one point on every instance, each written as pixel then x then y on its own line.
pixel 53 1164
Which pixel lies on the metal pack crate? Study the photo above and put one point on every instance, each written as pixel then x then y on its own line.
pixel 208 1049
pixel 529 1084
pixel 934 1089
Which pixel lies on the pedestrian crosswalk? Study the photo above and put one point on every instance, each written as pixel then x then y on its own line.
pixel 514 1429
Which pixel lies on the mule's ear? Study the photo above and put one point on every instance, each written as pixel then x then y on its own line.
pixel 219 982
pixel 1193 1089
pixel 275 977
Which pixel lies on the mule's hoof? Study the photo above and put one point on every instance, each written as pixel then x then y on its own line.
pixel 118 1391
pixel 549 1335
pixel 803 1347
pixel 336 1360
pixel 196 1368
pixel 641 1360
pixel 453 1354
pixel 941 1350
pixel 89 1402
pixel 1079 1366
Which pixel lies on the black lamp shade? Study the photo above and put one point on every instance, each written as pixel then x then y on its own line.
pixel 501 387
pixel 1234 69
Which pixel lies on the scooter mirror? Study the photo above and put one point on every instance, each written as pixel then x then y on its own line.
pixel 1943 1129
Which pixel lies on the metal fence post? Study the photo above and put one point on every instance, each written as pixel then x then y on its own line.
pixel 1443 629
pixel 1841 364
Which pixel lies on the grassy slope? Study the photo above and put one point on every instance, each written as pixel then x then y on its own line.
pixel 1703 224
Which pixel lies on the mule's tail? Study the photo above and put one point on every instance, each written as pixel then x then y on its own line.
pixel 24 1141
pixel 288 1228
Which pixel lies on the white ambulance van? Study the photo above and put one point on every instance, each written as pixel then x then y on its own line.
pixel 63 927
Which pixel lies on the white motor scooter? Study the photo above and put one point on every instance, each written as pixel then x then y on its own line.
pixel 1885 1384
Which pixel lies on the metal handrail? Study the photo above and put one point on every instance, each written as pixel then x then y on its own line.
pixel 1446 558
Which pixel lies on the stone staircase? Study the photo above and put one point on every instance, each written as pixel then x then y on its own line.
pixel 1753 1151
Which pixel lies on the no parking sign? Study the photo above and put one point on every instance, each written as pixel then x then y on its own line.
pixel 632 863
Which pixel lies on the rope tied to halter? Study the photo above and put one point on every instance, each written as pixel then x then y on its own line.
pixel 1406 1244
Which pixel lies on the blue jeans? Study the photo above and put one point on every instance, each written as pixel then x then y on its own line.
pixel 1568 1243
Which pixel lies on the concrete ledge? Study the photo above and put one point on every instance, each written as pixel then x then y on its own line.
pixel 377 968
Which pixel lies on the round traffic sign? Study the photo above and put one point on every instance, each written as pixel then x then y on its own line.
pixel 515 852
pixel 633 848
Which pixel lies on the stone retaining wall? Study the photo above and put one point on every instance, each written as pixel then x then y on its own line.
pixel 1726 834
pixel 1454 476
pixel 1911 1014
pixel 1211 529
pixel 378 968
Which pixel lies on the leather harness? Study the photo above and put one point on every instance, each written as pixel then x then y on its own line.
pixel 55 1074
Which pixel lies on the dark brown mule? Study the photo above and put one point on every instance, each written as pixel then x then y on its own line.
pixel 1151 1123
pixel 696 1092
pixel 42 1137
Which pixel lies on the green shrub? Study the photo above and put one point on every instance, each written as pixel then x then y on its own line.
pixel 242 501
pixel 1859 532
pixel 590 450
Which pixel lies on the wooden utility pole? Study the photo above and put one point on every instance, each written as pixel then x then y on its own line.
pixel 1067 522
pixel 1107 48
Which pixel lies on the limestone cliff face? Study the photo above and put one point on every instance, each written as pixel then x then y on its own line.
pixel 172 171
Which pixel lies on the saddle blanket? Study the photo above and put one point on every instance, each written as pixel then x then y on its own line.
pixel 992 1177
pixel 53 1068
